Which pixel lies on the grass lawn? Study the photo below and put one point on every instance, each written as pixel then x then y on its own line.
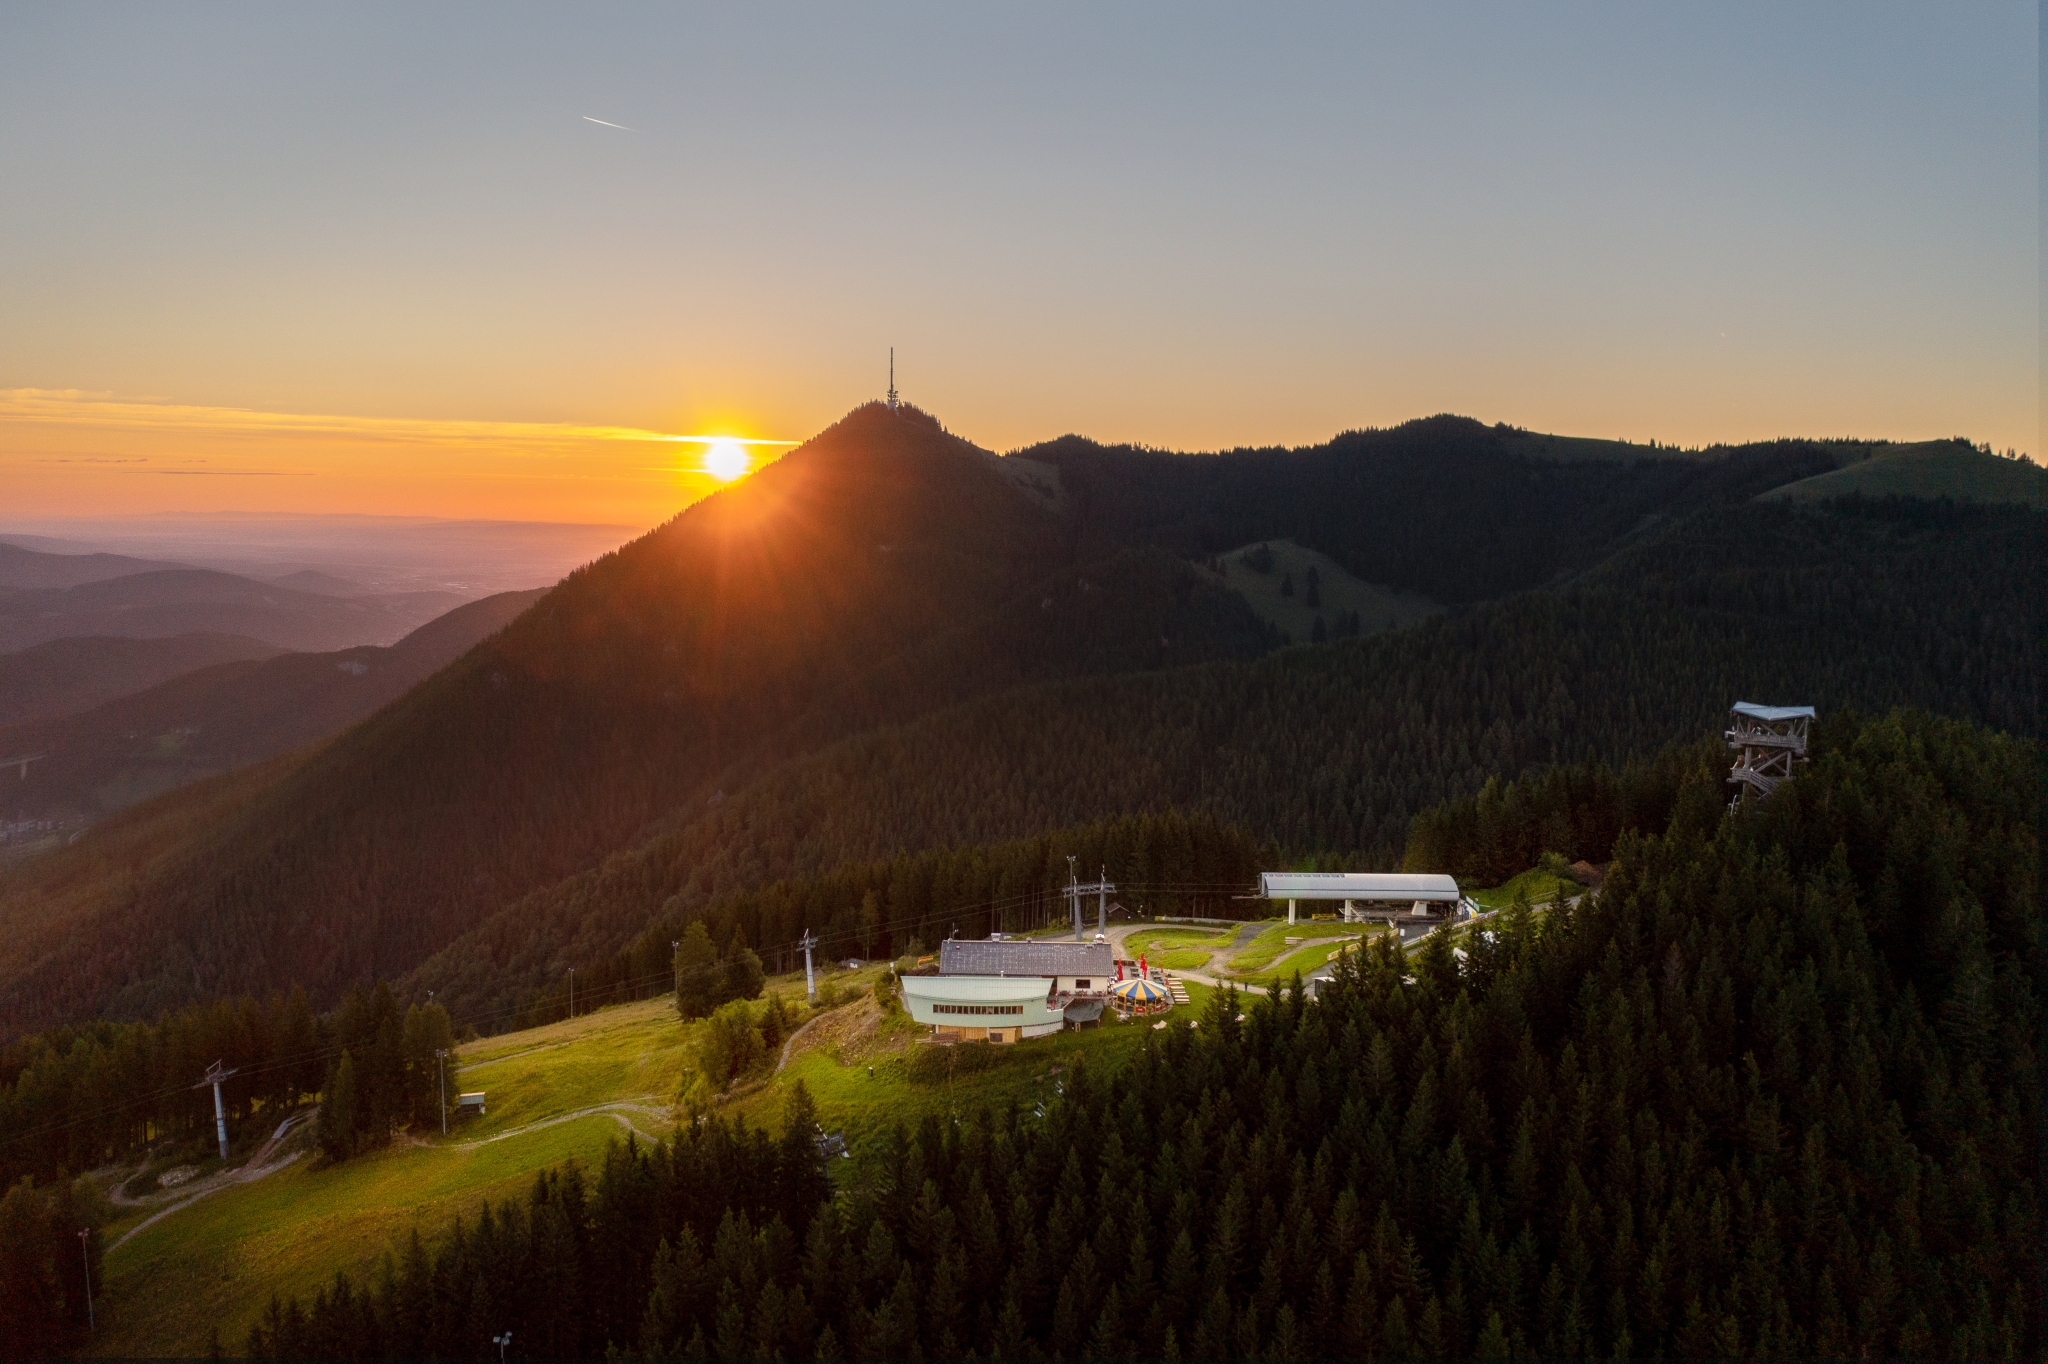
pixel 911 1078
pixel 1261 952
pixel 1176 949
pixel 1151 940
pixel 1539 887
pixel 1315 956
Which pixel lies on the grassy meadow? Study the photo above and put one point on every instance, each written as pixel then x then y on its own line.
pixel 1259 956
pixel 557 1092
pixel 1931 469
pixel 1537 886
pixel 1379 608
pixel 216 1261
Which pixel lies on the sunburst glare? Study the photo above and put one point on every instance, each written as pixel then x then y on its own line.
pixel 725 458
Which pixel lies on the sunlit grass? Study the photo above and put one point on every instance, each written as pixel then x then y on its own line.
pixel 1271 943
pixel 218 1260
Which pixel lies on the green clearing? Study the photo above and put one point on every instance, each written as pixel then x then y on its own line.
pixel 1176 949
pixel 1260 953
pixel 911 1078
pixel 1379 608
pixel 1932 469
pixel 216 1261
pixel 1315 956
pixel 1536 885
pixel 1166 939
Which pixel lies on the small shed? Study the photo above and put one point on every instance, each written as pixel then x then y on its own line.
pixel 476 1101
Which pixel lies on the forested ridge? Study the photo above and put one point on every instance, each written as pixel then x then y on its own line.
pixel 1325 755
pixel 882 572
pixel 1444 506
pixel 1771 1092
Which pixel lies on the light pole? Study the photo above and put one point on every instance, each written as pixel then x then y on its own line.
pixel 501 1342
pixel 572 992
pixel 810 986
pixel 441 1069
pixel 84 1248
pixel 675 960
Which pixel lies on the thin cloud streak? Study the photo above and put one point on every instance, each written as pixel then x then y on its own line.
pixel 73 408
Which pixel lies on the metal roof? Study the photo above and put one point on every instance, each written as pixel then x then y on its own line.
pixel 1756 712
pixel 1356 885
pixel 1025 958
pixel 977 989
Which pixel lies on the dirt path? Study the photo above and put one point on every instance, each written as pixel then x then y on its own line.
pixel 789 1043
pixel 617 1109
pixel 255 1168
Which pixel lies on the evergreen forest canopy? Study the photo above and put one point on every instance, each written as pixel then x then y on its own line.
pixel 1319 755
pixel 882 646
pixel 1772 1091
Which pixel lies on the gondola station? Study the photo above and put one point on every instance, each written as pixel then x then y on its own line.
pixel 1368 896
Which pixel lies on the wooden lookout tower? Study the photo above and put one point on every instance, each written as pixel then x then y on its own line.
pixel 1767 740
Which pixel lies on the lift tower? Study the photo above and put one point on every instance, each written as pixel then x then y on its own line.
pixel 215 1073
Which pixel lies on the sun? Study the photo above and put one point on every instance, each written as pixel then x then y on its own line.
pixel 725 458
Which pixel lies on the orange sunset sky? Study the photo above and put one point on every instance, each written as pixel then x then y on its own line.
pixel 510 262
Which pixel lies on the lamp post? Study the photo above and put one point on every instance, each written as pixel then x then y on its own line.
pixel 441 1069
pixel 85 1249
pixel 675 961
pixel 501 1342
pixel 572 992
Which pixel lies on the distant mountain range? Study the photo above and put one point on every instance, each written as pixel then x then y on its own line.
pixel 176 601
pixel 29 570
pixel 66 676
pixel 224 716
pixel 1018 643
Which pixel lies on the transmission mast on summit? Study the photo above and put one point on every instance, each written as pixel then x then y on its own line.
pixel 892 379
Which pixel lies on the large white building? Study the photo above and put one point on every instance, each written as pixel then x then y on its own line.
pixel 1425 894
pixel 1004 991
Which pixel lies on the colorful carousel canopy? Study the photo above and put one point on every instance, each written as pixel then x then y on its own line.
pixel 1141 992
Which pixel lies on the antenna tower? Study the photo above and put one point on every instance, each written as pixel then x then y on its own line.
pixel 892 379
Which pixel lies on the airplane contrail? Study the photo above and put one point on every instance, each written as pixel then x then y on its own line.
pixel 620 126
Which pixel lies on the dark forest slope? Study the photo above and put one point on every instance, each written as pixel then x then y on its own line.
pixel 884 568
pixel 1457 511
pixel 1773 1093
pixel 886 571
pixel 1332 751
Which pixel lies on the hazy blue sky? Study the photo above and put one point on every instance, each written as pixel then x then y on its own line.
pixel 1183 225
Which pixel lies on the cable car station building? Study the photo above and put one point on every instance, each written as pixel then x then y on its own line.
pixel 1004 991
pixel 1366 895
